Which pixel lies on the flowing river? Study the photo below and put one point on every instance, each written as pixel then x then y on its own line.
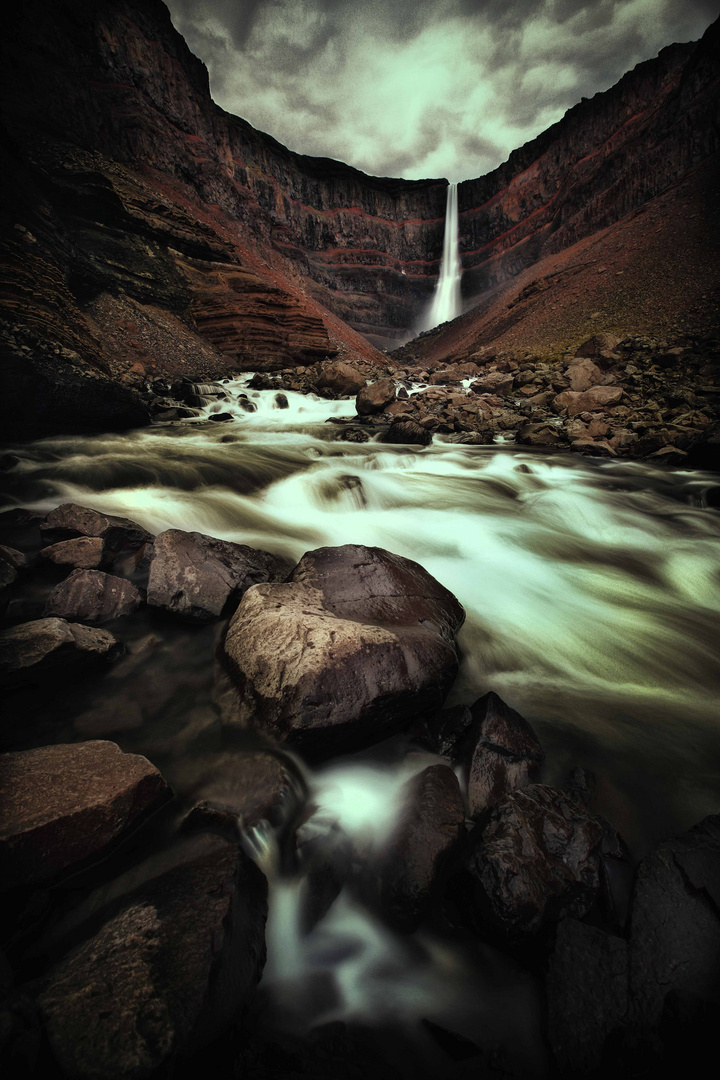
pixel 592 592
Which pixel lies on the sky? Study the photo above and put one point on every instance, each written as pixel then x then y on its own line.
pixel 422 88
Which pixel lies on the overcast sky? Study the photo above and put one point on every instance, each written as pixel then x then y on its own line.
pixel 422 88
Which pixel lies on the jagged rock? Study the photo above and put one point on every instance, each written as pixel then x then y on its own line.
pixel 196 576
pixel 407 431
pixel 539 435
pixel 63 805
pixel 83 553
pixel 587 993
pixel 583 374
pixel 597 397
pixel 354 644
pixel 506 752
pixel 342 379
pixel 168 971
pixel 92 596
pixel 535 861
pixel 431 826
pixel 70 520
pixel 45 648
pixel 375 397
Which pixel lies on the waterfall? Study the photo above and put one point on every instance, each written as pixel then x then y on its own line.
pixel 446 303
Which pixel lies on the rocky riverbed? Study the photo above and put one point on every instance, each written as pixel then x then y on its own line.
pixel 328 753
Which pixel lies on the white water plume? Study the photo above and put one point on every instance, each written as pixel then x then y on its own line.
pixel 446 303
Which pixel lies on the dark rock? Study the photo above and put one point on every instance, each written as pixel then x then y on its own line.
pixel 407 431
pixel 168 972
pixel 353 435
pixel 342 379
pixel 235 791
pixel 83 553
pixel 447 732
pixel 375 397
pixel 221 417
pixel 587 992
pixel 541 434
pixel 430 828
pixel 535 861
pixel 325 856
pixel 17 560
pixel 506 752
pixel 350 648
pixel 281 401
pixel 494 382
pixel 196 576
pixel 71 520
pixel 44 648
pixel 63 805
pixel 92 596
pixel 20 528
pixel 597 345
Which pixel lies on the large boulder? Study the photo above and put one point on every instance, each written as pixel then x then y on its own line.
pixel 407 431
pixel 583 374
pixel 341 379
pixel 92 596
pixel 494 382
pixel 71 520
pixel 82 553
pixel 168 971
pixel 431 826
pixel 196 577
pixel 536 860
pixel 43 648
pixel 505 752
pixel 375 397
pixel 356 643
pixel 65 804
pixel 597 397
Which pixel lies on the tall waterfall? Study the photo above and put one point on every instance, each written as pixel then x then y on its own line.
pixel 445 303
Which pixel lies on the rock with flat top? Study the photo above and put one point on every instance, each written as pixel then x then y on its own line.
pixel 92 596
pixel 82 553
pixel 63 805
pixel 375 397
pixel 45 648
pixel 71 520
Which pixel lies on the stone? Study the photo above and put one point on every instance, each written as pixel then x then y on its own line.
pixel 536 861
pixel 17 560
pixel 583 374
pixel 430 828
pixel 63 805
pixel 52 648
pixel 71 520
pixel 92 596
pixel 407 431
pixel 597 397
pixel 375 397
pixel 234 791
pixel 494 382
pixel 598 344
pixel 587 994
pixel 505 754
pixel 342 379
pixel 168 971
pixel 83 553
pixel 356 643
pixel 539 435
pixel 196 576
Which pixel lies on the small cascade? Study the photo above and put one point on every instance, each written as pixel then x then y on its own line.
pixel 446 303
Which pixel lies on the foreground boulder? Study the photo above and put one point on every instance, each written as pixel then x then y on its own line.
pixel 537 860
pixel 35 650
pixel 341 379
pixel 407 431
pixel 196 576
pixel 356 643
pixel 168 972
pixel 430 828
pixel 63 805
pixel 375 397
pixel 71 520
pixel 92 596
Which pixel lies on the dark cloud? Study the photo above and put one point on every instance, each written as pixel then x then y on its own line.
pixel 422 87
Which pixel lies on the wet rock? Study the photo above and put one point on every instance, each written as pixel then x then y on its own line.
pixel 375 397
pixel 341 379
pixel 221 417
pixel 17 560
pixel 235 791
pixel 407 431
pixel 535 861
pixel 353 435
pixel 675 924
pixel 447 731
pixel 167 972
pixel 430 828
pixel 281 401
pixel 349 649
pixel 70 520
pixel 83 553
pixel 539 435
pixel 587 993
pixel 196 576
pixel 505 754
pixel 63 805
pixel 597 397
pixel 45 648
pixel 92 596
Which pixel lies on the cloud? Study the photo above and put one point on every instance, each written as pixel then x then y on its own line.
pixel 422 88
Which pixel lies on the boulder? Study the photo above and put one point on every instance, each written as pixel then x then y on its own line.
pixel 597 397
pixel 92 596
pixel 375 397
pixel 537 860
pixel 494 382
pixel 583 374
pixel 71 520
pixel 196 576
pixel 63 805
pixel 234 791
pixel 598 345
pixel 407 431
pixel 504 756
pixel 168 971
pixel 431 826
pixel 542 434
pixel 44 648
pixel 83 553
pixel 355 643
pixel 341 379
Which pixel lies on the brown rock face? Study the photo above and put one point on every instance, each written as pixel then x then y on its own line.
pixel 407 431
pixel 342 379
pixel 375 397
pixel 597 397
pixel 83 553
pixel 55 648
pixel 196 576
pixel 166 973
pixel 344 652
pixel 71 520
pixel 63 805
pixel 92 596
